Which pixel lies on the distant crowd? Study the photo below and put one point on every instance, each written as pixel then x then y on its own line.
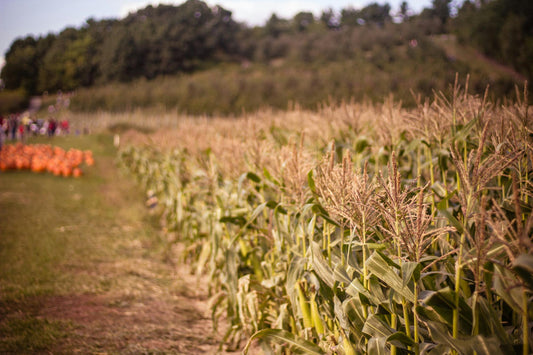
pixel 16 127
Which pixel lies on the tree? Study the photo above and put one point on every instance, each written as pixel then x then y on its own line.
pixel 329 19
pixel 441 9
pixel 21 68
pixel 275 26
pixel 375 13
pixel 404 9
pixel 350 17
pixel 302 21
pixel 66 65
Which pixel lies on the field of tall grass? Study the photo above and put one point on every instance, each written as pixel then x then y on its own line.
pixel 357 228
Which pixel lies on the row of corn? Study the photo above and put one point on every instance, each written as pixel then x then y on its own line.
pixel 421 244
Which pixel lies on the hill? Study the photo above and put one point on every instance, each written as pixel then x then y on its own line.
pixel 197 59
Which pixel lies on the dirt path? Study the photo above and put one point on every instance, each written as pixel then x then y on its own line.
pixel 138 322
pixel 106 282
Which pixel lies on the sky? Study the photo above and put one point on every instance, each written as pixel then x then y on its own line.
pixel 19 18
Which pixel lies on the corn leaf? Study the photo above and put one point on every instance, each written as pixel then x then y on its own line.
pixel 410 270
pixel 492 321
pixel 377 346
pixel 450 217
pixel 378 266
pixel 376 327
pixel 523 266
pixel 505 287
pixel 438 306
pixel 354 309
pixel 464 345
pixel 296 344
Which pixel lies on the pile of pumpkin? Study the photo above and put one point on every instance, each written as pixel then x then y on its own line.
pixel 44 157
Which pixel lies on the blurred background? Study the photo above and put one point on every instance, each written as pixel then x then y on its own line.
pixel 240 56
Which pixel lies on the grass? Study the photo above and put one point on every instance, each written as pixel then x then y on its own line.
pixel 78 259
pixel 51 220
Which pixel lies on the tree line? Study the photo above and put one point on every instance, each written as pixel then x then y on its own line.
pixel 166 39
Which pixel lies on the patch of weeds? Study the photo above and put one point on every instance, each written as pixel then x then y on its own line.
pixel 30 334
pixel 122 127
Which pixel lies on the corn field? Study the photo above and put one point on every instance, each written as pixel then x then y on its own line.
pixel 359 228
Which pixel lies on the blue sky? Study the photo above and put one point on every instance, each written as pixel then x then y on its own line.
pixel 19 18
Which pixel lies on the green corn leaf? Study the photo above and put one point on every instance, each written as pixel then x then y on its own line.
pixel 389 261
pixel 504 286
pixel 236 220
pixel 321 266
pixel 438 306
pixel 400 339
pixel 523 266
pixel 311 181
pixel 449 216
pixel 376 327
pixel 379 266
pixel 297 345
pixel 353 308
pixel 353 286
pixel 371 246
pixel 253 177
pixel 360 144
pixel 464 130
pixel 491 320
pixel 318 209
pixel 270 178
pixel 438 189
pixel 273 205
pixel 258 210
pixel 377 346
pixel 410 270
pixel 464 345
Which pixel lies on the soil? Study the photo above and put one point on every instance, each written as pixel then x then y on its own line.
pixel 131 324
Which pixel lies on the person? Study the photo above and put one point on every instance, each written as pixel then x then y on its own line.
pixel 51 127
pixel 64 126
pixel 12 126
pixel 3 126
pixel 21 132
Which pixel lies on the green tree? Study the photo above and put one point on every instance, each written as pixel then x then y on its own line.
pixel 441 10
pixel 375 13
pixel 302 21
pixel 66 64
pixel 328 18
pixel 21 68
pixel 350 17
pixel 275 26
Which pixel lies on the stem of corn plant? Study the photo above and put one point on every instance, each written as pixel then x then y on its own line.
pixel 343 259
pixel 394 317
pixel 458 275
pixel 329 247
pixel 429 157
pixel 525 325
pixel 365 270
pixel 304 247
pixel 393 321
pixel 418 167
pixel 475 313
pixel 415 318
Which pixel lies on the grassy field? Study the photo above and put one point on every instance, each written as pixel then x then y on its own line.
pixel 85 268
